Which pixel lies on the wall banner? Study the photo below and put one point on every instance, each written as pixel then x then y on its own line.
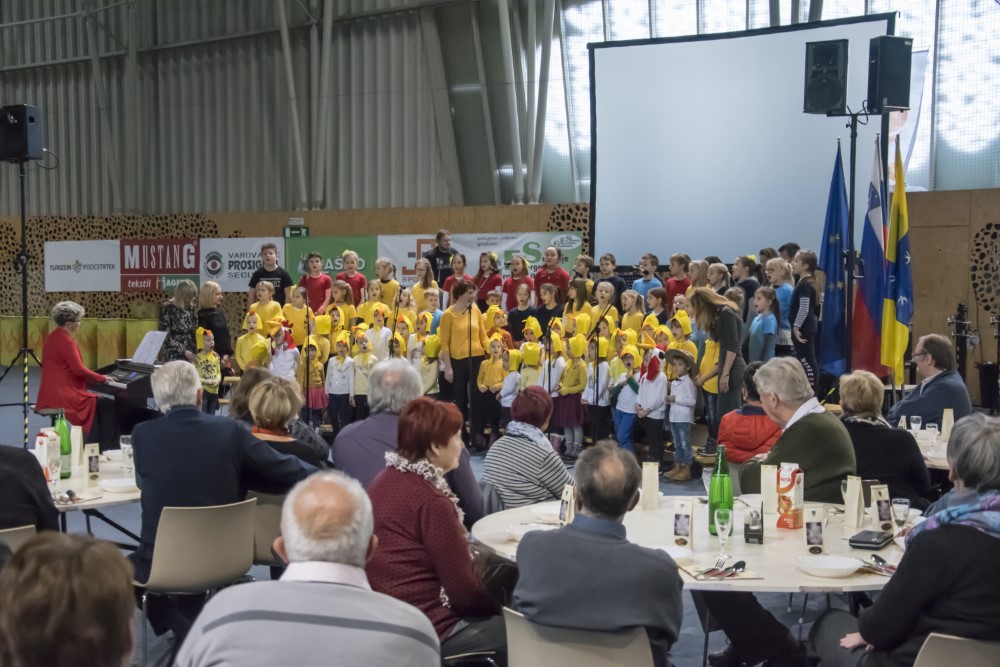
pixel 330 248
pixel 82 266
pixel 231 262
pixel 157 265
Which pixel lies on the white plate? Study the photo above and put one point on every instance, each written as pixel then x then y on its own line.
pixel 833 567
pixel 547 511
pixel 519 530
pixel 114 454
pixel 681 555
pixel 121 485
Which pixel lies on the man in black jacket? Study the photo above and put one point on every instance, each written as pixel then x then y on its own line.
pixel 24 497
pixel 440 256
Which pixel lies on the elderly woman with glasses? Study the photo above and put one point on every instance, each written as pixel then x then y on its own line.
pixel 946 582
pixel 65 378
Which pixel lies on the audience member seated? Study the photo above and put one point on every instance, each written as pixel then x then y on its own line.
pixel 811 436
pixel 191 459
pixel 360 448
pixel 521 465
pixel 423 556
pixel 24 497
pixel 747 431
pixel 275 403
pixel 239 409
pixel 587 575
pixel 947 580
pixel 942 387
pixel 302 620
pixel 64 380
pixel 66 600
pixel 887 454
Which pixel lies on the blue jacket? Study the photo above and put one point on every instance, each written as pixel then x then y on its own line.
pixel 928 401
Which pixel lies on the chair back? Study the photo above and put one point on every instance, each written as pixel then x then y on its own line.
pixel 492 502
pixel 532 645
pixel 943 650
pixel 199 548
pixel 16 537
pixel 266 527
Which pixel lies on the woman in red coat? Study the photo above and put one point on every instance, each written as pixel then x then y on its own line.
pixel 65 378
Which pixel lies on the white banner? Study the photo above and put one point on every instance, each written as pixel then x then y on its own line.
pixel 231 262
pixel 82 266
pixel 404 250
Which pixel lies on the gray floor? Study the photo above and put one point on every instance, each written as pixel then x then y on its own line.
pixel 686 653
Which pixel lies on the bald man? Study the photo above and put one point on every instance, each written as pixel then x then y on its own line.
pixel 322 611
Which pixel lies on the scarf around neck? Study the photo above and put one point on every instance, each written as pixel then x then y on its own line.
pixel 529 432
pixel 430 472
pixel 983 515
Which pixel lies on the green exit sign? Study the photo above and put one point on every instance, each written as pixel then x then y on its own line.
pixel 296 232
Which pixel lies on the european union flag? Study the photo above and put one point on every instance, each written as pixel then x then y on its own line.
pixel 833 328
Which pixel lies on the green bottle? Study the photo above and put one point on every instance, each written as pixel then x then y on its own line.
pixel 720 490
pixel 65 446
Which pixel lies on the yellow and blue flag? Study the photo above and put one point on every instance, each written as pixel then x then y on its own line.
pixel 897 307
pixel 833 251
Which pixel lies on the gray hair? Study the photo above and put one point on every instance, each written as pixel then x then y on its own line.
pixel 392 384
pixel 316 527
pixel 607 478
pixel 974 452
pixel 785 378
pixel 175 383
pixel 65 312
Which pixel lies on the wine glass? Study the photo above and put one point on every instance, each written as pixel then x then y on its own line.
pixel 127 459
pixel 55 466
pixel 932 434
pixel 723 522
pixel 124 442
pixel 900 513
pixel 915 422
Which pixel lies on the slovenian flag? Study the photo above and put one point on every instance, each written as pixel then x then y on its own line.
pixel 866 327
pixel 897 308
pixel 833 328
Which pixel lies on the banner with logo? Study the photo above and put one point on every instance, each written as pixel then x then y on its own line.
pixel 330 249
pixel 82 266
pixel 157 265
pixel 405 249
pixel 231 262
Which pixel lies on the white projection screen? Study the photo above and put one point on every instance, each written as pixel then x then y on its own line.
pixel 700 144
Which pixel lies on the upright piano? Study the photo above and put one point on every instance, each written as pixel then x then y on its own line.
pixel 131 391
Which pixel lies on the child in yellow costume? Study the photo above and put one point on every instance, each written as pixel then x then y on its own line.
pixel 567 408
pixel 209 370
pixel 246 342
pixel 489 382
pixel 323 325
pixel 531 364
pixel 311 380
pixel 430 368
pixel 340 383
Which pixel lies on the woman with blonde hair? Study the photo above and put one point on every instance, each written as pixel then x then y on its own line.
pixel 718 277
pixel 425 281
pixel 212 317
pixel 698 273
pixel 884 453
pixel 179 319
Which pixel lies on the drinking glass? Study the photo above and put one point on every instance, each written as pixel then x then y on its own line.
pixel 55 466
pixel 127 459
pixel 900 513
pixel 915 422
pixel 125 441
pixel 723 522
pixel 932 434
pixel 843 491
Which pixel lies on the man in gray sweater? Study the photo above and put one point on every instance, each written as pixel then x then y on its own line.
pixel 587 576
pixel 322 611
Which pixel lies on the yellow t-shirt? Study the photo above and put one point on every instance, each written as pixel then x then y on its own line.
pixel 297 318
pixel 529 376
pixel 633 321
pixel 265 313
pixel 574 378
pixel 363 365
pixel 570 310
pixel 316 375
pixel 322 349
pixel 244 345
pixel 492 373
pixel 454 332
pixel 597 310
pixel 364 311
pixel 209 371
pixel 347 313
pixel 389 291
pixel 708 364
pixel 418 296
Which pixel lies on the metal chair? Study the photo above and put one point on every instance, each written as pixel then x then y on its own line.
pixel 16 537
pixel 198 550
pixel 945 650
pixel 533 645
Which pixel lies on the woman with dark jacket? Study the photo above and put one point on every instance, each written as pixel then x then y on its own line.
pixel 721 318
pixel 884 453
pixel 211 316
pixel 946 581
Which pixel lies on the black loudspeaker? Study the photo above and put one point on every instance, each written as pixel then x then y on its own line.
pixel 21 133
pixel 889 73
pixel 826 77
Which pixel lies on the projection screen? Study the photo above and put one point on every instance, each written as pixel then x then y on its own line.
pixel 700 144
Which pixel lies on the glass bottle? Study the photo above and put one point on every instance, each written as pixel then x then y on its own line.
pixel 720 489
pixel 65 446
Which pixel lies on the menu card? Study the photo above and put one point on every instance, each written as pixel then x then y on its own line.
pixel 814 520
pixel 92 455
pixel 683 524
pixel 854 503
pixel 567 508
pixel 769 488
pixel 881 507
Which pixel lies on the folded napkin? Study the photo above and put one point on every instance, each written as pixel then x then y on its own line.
pixel 694 571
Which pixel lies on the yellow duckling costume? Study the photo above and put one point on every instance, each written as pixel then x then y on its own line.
pixel 246 342
pixel 513 360
pixel 492 371
pixel 357 332
pixel 582 324
pixel 208 363
pixel 324 328
pixel 531 361
pixel 314 386
pixel 649 324
pixel 686 346
pixel 494 322
pixel 574 377
pixel 429 365
pixel 615 365
pixel 531 324
pixel 401 345
pixel 260 354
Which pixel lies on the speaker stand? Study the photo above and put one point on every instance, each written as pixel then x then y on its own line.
pixel 21 262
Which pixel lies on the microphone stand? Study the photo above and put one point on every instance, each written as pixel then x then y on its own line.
pixel 469 384
pixel 395 318
pixel 591 335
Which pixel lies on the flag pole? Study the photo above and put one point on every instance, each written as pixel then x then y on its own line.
pixel 849 300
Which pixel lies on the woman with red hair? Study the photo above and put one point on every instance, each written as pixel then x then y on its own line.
pixel 423 555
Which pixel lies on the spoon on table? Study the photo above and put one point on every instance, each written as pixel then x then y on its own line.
pixel 734 569
pixel 883 563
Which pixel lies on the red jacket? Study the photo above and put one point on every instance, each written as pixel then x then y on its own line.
pixel 65 378
pixel 746 433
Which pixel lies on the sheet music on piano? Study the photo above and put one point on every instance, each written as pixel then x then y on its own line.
pixel 149 348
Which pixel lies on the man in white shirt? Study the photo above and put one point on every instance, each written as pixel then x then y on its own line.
pixel 322 611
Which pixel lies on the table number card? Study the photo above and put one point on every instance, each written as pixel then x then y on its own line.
pixel 769 488
pixel 650 485
pixel 92 456
pixel 814 519
pixel 881 507
pixel 683 528
pixel 854 503
pixel 567 508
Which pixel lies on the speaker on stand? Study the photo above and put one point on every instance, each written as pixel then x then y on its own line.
pixel 826 77
pixel 889 60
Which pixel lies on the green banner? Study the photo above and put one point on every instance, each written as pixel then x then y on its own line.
pixel 330 248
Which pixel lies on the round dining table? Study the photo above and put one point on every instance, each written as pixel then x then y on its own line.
pixel 772 567
pixel 92 499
